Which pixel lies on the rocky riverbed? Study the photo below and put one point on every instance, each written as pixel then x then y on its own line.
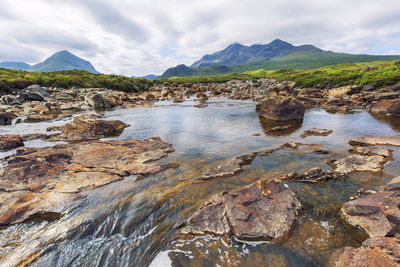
pixel 233 174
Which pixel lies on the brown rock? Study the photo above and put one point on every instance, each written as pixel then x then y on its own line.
pixel 71 168
pixel 178 100
pixel 39 117
pixel 281 109
pixel 6 118
pixel 386 107
pixel 316 132
pixel 313 175
pixel 359 163
pixel 264 210
pixel 10 141
pixel 374 252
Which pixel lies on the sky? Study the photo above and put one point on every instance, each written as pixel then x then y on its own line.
pixel 139 37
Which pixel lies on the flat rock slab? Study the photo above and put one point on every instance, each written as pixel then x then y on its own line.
pixel 264 210
pixel 377 214
pixel 10 141
pixel 73 168
pixel 373 140
pixel 316 132
pixel 377 251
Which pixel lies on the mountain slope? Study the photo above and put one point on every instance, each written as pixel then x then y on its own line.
pixel 63 60
pixel 275 55
pixel 14 65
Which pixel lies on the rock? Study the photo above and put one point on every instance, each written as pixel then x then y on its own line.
pixel 376 214
pixel 34 92
pixel 28 137
pixel 264 210
pixel 281 109
pixel 97 101
pixel 370 68
pixel 336 105
pixel 310 93
pixel 10 141
pixel 229 167
pixel 374 252
pixel 164 92
pixel 372 151
pixel 72 168
pixel 178 100
pixel 368 88
pixel 313 175
pixel 83 128
pixel 201 105
pixel 359 163
pixel 386 96
pixel 150 97
pixel 386 107
pixel 11 100
pixel 39 118
pixel 375 140
pixel 316 132
pixel 340 91
pixel 201 96
pixel 6 118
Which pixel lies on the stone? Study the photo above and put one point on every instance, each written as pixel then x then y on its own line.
pixel 229 167
pixel 265 211
pixel 313 175
pixel 34 92
pixel 375 140
pixel 386 96
pixel 316 132
pixel 150 97
pixel 10 141
pixel 97 101
pixel 376 251
pixel 370 68
pixel 201 105
pixel 375 214
pixel 6 118
pixel 201 96
pixel 359 163
pixel 281 109
pixel 28 137
pixel 386 107
pixel 39 118
pixel 67 169
pixel 372 151
pixel 178 100
pixel 86 128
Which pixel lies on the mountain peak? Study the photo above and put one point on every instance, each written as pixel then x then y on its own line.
pixel 63 60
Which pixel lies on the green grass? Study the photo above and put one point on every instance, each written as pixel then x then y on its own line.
pixel 10 79
pixel 387 73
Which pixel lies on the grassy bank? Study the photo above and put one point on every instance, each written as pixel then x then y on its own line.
pixel 386 73
pixel 11 79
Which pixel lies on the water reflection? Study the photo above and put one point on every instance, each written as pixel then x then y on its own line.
pixel 274 128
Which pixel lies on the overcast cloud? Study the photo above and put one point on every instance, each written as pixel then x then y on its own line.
pixel 140 37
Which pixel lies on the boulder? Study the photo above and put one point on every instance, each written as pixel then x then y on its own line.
pixel 67 169
pixel 6 118
pixel 10 141
pixel 281 109
pixel 34 92
pixel 386 107
pixel 97 101
pixel 86 128
pixel 374 252
pixel 265 210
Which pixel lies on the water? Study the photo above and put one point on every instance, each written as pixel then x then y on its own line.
pixel 133 223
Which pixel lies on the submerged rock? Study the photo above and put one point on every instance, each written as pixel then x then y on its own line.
pixel 316 132
pixel 72 168
pixel 264 210
pixel 85 127
pixel 375 140
pixel 281 109
pixel 376 251
pixel 313 175
pixel 10 141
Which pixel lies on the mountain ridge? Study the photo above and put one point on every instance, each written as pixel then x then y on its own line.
pixel 15 65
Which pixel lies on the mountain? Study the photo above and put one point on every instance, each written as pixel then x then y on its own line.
pixel 150 77
pixel 276 55
pixel 63 60
pixel 14 65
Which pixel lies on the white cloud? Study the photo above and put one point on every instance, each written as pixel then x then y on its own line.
pixel 141 37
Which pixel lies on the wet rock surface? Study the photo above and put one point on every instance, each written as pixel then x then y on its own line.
pixel 72 168
pixel 376 251
pixel 313 175
pixel 316 132
pixel 264 210
pixel 376 140
pixel 10 141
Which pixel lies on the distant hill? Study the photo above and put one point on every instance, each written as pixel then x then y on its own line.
pixel 14 65
pixel 150 77
pixel 63 60
pixel 275 55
